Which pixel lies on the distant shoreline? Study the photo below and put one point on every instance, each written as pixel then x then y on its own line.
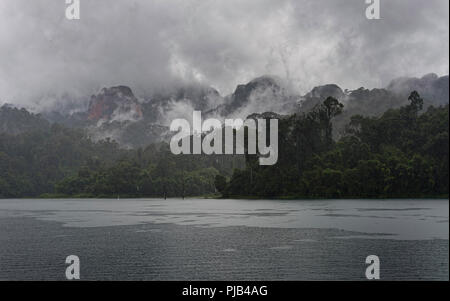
pixel 219 197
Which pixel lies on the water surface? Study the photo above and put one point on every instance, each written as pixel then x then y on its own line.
pixel 206 239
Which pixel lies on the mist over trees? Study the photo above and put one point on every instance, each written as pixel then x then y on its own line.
pixel 402 153
pixel 64 162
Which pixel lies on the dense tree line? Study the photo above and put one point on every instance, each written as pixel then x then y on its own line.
pixel 31 163
pixel 403 153
pixel 59 161
pixel 150 172
pixel 16 121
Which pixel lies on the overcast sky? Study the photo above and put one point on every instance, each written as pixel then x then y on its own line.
pixel 148 44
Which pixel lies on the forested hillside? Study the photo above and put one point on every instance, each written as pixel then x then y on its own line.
pixel 403 153
pixel 31 163
pixel 52 159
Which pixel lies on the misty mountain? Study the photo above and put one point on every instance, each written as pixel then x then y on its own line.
pixel 434 89
pixel 262 94
pixel 319 94
pixel 132 121
pixel 117 114
pixel 114 104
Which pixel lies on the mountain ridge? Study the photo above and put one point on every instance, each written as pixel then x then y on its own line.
pixel 116 113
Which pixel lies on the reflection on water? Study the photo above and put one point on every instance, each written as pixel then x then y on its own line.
pixel 400 219
pixel 202 239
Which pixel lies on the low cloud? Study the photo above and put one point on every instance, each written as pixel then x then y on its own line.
pixel 158 44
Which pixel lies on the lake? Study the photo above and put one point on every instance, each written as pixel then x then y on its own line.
pixel 209 239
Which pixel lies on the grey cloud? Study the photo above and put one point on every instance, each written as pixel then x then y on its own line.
pixel 154 44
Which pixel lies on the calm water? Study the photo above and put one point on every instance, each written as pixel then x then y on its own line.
pixel 197 239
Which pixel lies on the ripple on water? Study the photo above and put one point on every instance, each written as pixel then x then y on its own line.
pixel 285 247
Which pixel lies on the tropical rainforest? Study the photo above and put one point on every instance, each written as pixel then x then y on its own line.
pixel 400 153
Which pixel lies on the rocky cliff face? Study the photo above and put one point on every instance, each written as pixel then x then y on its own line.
pixel 118 114
pixel 114 104
pixel 325 91
pixel 262 94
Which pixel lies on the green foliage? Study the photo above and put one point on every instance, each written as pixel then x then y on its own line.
pixel 31 163
pixel 150 172
pixel 220 182
pixel 403 153
pixel 400 154
pixel 128 178
pixel 64 161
